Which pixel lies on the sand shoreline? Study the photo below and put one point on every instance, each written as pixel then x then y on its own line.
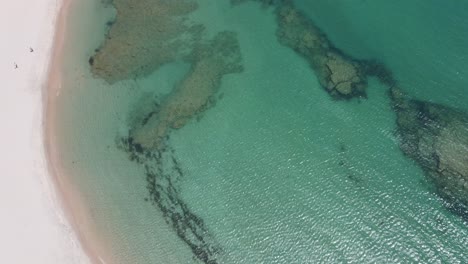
pixel 36 226
pixel 70 197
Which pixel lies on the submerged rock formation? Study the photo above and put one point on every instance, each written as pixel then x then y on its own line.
pixel 342 76
pixel 436 137
pixel 145 35
pixel 147 145
pixel 149 33
pixel 195 93
pixel 338 74
pixel 163 172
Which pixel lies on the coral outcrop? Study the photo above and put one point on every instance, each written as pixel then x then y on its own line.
pixel 195 93
pixel 436 137
pixel 342 76
pixel 145 35
pixel 149 33
pixel 339 75
pixel 147 140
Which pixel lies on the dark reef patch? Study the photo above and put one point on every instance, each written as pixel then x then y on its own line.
pixel 145 35
pixel 379 70
pixel 348 169
pixel 195 93
pixel 340 75
pixel 436 137
pixel 147 142
pixel 163 172
pixel 149 33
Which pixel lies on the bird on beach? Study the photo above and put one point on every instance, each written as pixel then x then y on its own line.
pixel 31 50
pixel 16 66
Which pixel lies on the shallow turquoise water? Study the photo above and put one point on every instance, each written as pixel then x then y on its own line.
pixel 278 171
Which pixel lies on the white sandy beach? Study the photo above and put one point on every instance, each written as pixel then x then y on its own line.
pixel 33 226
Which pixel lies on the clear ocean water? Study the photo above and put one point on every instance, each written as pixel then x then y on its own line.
pixel 277 169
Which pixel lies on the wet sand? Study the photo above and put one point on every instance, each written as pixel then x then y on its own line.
pixel 72 199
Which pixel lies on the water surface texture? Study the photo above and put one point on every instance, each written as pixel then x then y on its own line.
pixel 255 131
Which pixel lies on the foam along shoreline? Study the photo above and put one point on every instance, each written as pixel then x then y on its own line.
pixel 73 204
pixel 34 225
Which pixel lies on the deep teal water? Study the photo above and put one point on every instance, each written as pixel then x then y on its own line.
pixel 277 170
